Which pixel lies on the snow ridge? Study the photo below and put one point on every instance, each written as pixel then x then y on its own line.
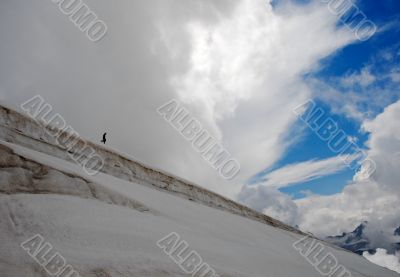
pixel 22 130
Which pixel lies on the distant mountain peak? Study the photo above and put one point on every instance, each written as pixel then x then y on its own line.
pixel 358 242
pixel 397 232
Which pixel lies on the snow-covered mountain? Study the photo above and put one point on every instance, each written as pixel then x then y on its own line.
pixel 355 241
pixel 109 224
pixel 358 241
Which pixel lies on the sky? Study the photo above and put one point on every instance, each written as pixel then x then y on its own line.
pixel 241 68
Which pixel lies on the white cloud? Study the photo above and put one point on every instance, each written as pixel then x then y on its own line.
pixel 238 66
pixel 374 200
pixel 303 172
pixel 351 95
pixel 364 78
pixel 244 74
pixel 271 202
pixel 382 258
pixel 343 212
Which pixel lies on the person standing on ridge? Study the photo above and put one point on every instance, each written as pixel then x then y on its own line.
pixel 104 138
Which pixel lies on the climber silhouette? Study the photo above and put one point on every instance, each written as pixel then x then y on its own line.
pixel 104 138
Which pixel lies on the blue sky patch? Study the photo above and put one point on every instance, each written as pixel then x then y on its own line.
pixel 364 70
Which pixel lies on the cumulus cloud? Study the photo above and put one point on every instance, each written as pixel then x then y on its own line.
pixel 382 258
pixel 374 200
pixel 271 202
pixel 343 212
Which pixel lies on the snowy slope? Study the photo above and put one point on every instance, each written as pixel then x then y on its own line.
pixel 108 226
pixel 19 129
